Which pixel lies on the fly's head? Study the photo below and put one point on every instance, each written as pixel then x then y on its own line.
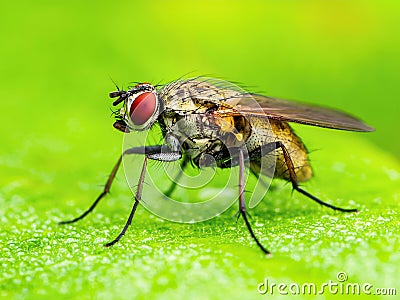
pixel 140 110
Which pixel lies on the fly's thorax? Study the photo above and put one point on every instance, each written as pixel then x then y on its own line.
pixel 189 112
pixel 206 133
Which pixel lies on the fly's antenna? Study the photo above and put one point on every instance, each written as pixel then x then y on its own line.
pixel 119 93
pixel 116 85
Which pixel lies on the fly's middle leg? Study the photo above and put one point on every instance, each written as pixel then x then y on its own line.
pixel 242 200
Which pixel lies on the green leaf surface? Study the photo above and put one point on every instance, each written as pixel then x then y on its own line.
pixel 58 147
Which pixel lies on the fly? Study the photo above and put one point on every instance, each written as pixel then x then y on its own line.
pixel 202 118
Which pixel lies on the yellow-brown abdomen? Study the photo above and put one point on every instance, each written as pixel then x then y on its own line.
pixel 274 164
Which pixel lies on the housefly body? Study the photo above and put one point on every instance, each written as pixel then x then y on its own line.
pixel 209 123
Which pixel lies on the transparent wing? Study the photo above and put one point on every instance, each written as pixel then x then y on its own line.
pixel 291 111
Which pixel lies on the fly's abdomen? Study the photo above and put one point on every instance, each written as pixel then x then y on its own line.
pixel 273 164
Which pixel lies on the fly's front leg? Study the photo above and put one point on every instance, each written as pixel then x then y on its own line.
pixel 165 155
pixel 267 148
pixel 136 150
pixel 157 152
pixel 138 196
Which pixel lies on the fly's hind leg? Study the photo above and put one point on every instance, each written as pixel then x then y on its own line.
pixel 267 148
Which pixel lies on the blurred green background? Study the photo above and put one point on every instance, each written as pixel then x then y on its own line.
pixel 58 144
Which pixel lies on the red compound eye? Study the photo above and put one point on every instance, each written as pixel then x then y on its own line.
pixel 143 108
